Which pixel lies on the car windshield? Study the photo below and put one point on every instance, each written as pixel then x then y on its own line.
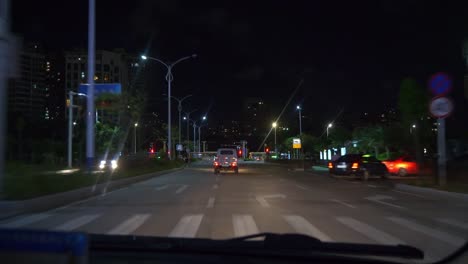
pixel 220 119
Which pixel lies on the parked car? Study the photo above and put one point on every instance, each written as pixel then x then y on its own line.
pixel 402 166
pixel 226 159
pixel 358 165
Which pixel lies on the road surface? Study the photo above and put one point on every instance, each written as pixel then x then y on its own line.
pixel 194 202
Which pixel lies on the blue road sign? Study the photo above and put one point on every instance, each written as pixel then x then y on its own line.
pixel 101 88
pixel 440 84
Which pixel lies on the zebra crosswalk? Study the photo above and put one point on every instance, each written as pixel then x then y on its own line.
pixel 189 225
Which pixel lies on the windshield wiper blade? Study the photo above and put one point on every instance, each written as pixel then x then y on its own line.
pixel 304 242
pixel 295 244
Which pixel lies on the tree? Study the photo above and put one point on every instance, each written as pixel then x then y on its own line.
pixel 412 101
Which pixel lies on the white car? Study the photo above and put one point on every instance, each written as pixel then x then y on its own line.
pixel 226 159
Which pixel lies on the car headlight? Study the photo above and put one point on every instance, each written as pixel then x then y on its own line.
pixel 102 164
pixel 114 164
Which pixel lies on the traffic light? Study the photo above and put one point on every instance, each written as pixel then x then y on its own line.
pixel 267 150
pixel 239 152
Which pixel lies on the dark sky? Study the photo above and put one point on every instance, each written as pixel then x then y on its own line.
pixel 351 54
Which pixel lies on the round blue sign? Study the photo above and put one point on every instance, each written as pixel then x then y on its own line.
pixel 440 84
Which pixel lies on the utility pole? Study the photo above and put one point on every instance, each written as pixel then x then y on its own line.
pixel 5 49
pixel 90 116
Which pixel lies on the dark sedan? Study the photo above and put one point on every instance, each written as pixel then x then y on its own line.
pixel 359 165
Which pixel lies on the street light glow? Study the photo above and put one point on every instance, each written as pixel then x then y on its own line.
pixel 144 57
pixel 298 107
pixel 185 118
pixel 274 124
pixel 330 125
pixel 414 126
pixel 136 124
pixel 204 117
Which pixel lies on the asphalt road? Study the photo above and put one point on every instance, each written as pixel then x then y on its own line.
pixel 265 198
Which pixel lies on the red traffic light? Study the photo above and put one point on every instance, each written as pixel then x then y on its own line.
pixel 267 150
pixel 239 152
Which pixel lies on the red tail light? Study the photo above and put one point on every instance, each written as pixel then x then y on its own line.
pixel 355 165
pixel 330 165
pixel 234 164
pixel 216 163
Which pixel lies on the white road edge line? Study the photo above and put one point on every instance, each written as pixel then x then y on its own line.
pixel 302 226
pixel 408 193
pixel 244 225
pixel 453 222
pixel 187 226
pixel 161 187
pixel 181 189
pixel 369 231
pixel 129 225
pixel 343 203
pixel 301 187
pixel 210 203
pixel 451 239
pixel 371 185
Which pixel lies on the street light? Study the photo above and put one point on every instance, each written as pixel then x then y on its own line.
pixel 300 125
pixel 70 126
pixel 199 133
pixel 329 126
pixel 274 126
pixel 134 139
pixel 179 108
pixel 411 128
pixel 187 117
pixel 169 78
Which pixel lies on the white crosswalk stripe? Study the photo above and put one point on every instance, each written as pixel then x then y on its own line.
pixel 244 225
pixel 77 222
pixel 24 221
pixel 451 239
pixel 181 189
pixel 302 226
pixel 369 231
pixel 187 226
pixel 453 222
pixel 129 225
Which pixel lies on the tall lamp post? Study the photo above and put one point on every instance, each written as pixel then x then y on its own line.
pixel 187 117
pixel 300 127
pixel 135 139
pixel 274 126
pixel 199 133
pixel 179 108
pixel 70 127
pixel 169 78
pixel 329 126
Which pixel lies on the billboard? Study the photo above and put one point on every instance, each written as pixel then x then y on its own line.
pixel 102 88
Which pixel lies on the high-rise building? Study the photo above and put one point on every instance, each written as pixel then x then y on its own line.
pixel 27 93
pixel 55 84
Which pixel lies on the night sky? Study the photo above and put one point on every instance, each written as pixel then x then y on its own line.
pixel 349 54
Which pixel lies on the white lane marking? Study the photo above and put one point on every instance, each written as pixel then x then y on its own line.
pixel 371 185
pixel 24 221
pixel 262 201
pixel 452 222
pixel 215 186
pixel 451 239
pixel 181 189
pixel 379 198
pixel 343 203
pixel 161 187
pixel 302 226
pixel 354 182
pixel 369 231
pixel 244 225
pixel 408 193
pixel 187 226
pixel 301 187
pixel 129 225
pixel 77 222
pixel 210 203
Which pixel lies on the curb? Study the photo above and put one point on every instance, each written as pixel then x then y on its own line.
pixel 12 208
pixel 425 190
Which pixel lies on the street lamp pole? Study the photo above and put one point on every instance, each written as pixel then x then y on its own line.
pixel 70 127
pixel 179 108
pixel 90 104
pixel 188 125
pixel 276 150
pixel 300 127
pixel 329 126
pixel 135 139
pixel 199 133
pixel 169 78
